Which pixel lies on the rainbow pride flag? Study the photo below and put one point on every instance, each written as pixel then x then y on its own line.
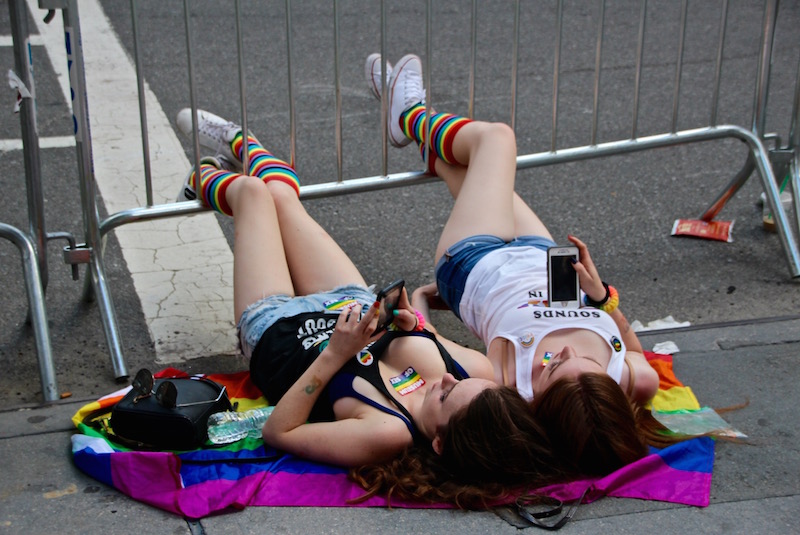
pixel 197 483
pixel 680 473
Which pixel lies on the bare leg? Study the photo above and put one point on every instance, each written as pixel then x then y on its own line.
pixel 485 201
pixel 260 267
pixel 526 222
pixel 316 262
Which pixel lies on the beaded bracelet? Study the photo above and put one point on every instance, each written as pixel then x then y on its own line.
pixel 609 303
pixel 420 320
pixel 418 327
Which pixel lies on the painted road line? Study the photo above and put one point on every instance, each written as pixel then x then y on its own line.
pixel 55 142
pixel 182 268
pixel 8 40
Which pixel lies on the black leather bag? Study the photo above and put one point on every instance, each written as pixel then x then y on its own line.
pixel 167 414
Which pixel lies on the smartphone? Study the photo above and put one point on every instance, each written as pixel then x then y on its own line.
pixel 563 286
pixel 389 297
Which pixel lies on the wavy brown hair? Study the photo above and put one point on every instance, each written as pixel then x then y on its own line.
pixel 593 425
pixel 492 449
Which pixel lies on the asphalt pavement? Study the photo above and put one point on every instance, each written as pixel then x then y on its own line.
pixel 741 305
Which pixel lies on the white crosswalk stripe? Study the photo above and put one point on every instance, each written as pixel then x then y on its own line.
pixel 181 267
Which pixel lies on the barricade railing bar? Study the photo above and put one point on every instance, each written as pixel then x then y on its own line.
pixel 767 160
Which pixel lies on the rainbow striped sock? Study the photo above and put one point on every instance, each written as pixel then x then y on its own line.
pixel 213 183
pixel 444 130
pixel 263 164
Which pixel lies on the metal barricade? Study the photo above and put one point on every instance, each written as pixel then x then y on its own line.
pixel 32 244
pixel 764 160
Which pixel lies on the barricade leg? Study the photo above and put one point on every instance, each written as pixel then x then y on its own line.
pixel 36 304
pixel 83 144
pixel 784 230
pixel 31 245
pixel 730 190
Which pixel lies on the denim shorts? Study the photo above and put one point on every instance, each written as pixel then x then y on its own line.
pixel 259 316
pixel 456 263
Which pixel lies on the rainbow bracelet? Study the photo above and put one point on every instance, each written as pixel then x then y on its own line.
pixel 420 320
pixel 613 301
pixel 609 304
pixel 418 327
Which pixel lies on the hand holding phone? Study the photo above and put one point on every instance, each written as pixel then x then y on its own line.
pixel 389 298
pixel 563 286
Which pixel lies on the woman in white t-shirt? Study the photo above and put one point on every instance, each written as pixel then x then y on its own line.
pixel 491 272
pixel 491 258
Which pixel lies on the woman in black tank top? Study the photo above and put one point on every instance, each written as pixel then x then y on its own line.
pixel 477 440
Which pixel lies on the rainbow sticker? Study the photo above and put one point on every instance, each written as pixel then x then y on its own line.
pixel 616 344
pixel 338 304
pixel 365 358
pixel 546 358
pixel 407 382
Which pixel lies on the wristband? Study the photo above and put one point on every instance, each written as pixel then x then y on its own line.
pixel 420 320
pixel 597 304
pixel 613 301
pixel 609 303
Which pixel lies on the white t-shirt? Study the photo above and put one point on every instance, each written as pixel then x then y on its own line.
pixel 505 296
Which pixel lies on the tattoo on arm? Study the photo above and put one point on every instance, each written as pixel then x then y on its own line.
pixel 313 385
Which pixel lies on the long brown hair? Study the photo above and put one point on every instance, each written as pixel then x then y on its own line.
pixel 491 449
pixel 593 425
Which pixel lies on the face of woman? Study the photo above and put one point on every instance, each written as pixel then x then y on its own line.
pixel 447 396
pixel 566 363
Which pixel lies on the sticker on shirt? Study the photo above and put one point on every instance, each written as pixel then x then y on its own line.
pixel 534 303
pixel 365 358
pixel 339 304
pixel 535 299
pixel 616 344
pixel 407 382
pixel 526 340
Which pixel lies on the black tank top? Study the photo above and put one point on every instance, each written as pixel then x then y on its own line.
pixel 290 346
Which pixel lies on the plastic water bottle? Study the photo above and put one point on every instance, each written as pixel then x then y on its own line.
pixel 230 426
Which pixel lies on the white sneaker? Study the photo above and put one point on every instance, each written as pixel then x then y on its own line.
pixel 372 70
pixel 187 192
pixel 405 90
pixel 214 133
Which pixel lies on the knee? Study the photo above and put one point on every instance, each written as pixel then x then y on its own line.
pixel 498 135
pixel 250 186
pixel 503 133
pixel 282 193
pixel 247 188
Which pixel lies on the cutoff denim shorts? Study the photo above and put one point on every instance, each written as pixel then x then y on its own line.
pixel 261 315
pixel 457 262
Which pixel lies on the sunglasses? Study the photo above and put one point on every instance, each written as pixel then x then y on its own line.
pixel 166 394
